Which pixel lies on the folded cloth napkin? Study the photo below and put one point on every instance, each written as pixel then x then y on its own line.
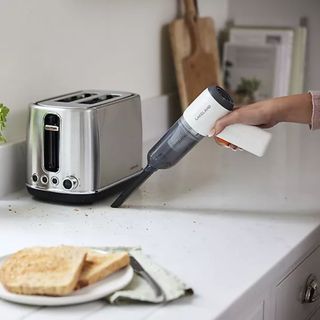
pixel 139 289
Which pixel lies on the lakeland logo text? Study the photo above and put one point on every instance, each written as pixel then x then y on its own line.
pixel 202 112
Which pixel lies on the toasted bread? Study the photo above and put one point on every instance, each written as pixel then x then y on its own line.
pixel 50 271
pixel 98 266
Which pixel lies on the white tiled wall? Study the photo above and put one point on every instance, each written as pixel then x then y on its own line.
pixel 53 47
pixel 12 164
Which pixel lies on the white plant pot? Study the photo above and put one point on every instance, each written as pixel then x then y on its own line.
pixel 12 159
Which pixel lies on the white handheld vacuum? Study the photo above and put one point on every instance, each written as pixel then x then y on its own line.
pixel 196 123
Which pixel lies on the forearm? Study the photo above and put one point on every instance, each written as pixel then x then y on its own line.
pixel 315 120
pixel 299 108
pixel 296 108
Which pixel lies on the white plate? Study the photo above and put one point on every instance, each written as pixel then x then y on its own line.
pixel 95 291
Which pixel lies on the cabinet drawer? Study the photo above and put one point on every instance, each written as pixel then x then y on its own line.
pixel 315 316
pixel 257 314
pixel 290 292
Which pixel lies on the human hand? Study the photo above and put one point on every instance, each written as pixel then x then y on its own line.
pixel 262 114
pixel 259 114
pixel 267 113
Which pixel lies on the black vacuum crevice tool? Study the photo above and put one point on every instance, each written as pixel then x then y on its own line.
pixel 141 178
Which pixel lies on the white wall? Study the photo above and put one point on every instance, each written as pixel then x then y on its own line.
pixel 293 141
pixel 285 13
pixel 53 47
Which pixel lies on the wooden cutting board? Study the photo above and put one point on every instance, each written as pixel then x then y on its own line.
pixel 195 53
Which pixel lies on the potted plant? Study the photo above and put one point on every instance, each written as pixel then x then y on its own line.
pixel 246 90
pixel 3 121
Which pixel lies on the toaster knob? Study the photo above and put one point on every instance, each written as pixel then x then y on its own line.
pixel 70 183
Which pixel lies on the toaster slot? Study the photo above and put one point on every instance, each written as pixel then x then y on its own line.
pixel 101 99
pixel 76 97
pixel 51 142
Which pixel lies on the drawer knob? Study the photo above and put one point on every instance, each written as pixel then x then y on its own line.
pixel 311 292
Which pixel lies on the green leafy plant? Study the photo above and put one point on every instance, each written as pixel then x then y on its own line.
pixel 3 121
pixel 246 90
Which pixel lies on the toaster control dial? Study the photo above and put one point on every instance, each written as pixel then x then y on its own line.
pixel 70 183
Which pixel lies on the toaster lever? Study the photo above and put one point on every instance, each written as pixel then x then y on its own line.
pixel 49 127
pixel 51 142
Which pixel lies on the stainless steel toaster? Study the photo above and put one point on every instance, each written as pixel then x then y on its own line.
pixel 83 145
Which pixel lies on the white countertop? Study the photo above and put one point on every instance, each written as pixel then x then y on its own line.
pixel 219 220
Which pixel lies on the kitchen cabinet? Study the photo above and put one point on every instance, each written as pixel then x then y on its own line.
pixel 297 295
pixel 294 296
pixel 257 314
pixel 315 316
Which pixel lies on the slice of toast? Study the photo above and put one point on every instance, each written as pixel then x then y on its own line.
pixel 50 271
pixel 100 265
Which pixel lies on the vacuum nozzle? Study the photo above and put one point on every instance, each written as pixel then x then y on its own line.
pixel 138 181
